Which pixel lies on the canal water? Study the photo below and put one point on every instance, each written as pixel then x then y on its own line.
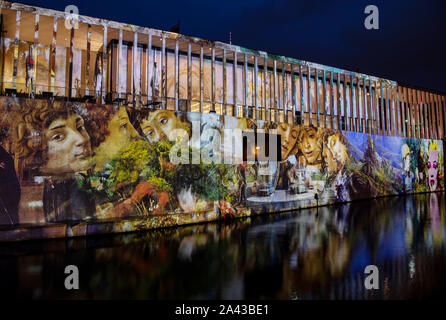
pixel 308 254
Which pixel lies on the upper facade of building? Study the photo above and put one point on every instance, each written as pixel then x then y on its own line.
pixel 50 54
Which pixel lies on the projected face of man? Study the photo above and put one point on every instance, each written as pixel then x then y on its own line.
pixel 69 147
pixel 289 136
pixel 121 133
pixel 159 124
pixel 309 146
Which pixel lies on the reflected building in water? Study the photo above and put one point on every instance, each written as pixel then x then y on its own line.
pixel 311 254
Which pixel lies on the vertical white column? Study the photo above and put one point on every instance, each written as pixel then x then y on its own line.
pixel 118 76
pixel 265 91
pixel 400 123
pixel 276 113
pixel 389 111
pixel 383 119
pixel 256 88
pixel 348 108
pixel 225 87
pixel 245 85
pixel 334 120
pixel 426 117
pixel 339 104
pixel 201 78
pixel 163 74
pixel 301 94
pixel 358 105
pixel 104 65
pixel 87 64
pixel 316 82
pixel 309 106
pixel 70 69
pixel 324 89
pixel 135 70
pixel 149 66
pixel 353 103
pixel 293 93
pixel 234 83
pixel 16 51
pixel 213 79
pixel 52 58
pixel 366 113
pixel 177 74
pixel 377 110
pixel 284 93
pixel 440 115
pixel 189 76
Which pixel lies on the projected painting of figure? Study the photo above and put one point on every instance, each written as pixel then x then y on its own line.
pixel 77 164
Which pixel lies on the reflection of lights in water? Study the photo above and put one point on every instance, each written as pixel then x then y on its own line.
pixel 293 260
pixel 33 204
pixel 267 242
pixel 386 286
pixel 293 296
pixel 186 248
pixel 37 293
pixel 126 239
pixel 411 267
pixel 34 269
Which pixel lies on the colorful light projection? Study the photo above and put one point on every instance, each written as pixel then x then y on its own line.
pixel 80 164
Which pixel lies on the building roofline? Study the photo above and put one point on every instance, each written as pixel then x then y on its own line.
pixel 217 44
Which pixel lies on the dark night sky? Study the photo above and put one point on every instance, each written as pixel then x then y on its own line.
pixel 409 47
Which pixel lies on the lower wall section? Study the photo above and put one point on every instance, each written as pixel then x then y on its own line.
pixel 69 169
pixel 73 229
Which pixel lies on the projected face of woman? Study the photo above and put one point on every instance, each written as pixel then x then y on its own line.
pixel 69 147
pixel 159 124
pixel 309 146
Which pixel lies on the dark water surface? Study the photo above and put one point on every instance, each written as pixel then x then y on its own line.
pixel 308 254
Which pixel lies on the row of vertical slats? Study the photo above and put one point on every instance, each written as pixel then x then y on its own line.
pixel 374 106
pixel 36 41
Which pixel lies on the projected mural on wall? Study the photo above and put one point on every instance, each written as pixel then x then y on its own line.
pixel 81 163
